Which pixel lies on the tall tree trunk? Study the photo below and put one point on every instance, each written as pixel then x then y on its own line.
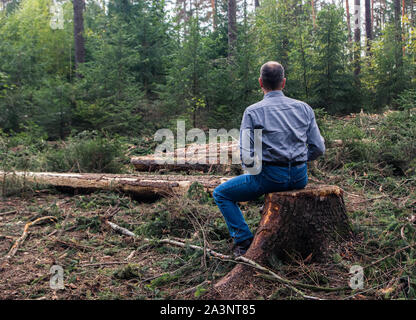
pixel 214 13
pixel 314 13
pixel 79 6
pixel 179 9
pixel 256 3
pixel 368 25
pixel 232 26
pixel 357 36
pixel 372 15
pixel 383 16
pixel 403 26
pixel 398 36
pixel 347 7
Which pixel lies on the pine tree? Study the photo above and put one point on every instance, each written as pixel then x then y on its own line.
pixel 333 82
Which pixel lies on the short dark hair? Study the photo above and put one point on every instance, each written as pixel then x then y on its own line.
pixel 272 74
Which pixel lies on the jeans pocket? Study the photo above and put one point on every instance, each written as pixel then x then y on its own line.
pixel 299 173
pixel 276 174
pixel 300 184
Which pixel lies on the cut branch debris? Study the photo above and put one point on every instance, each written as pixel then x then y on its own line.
pixel 8 212
pixel 242 260
pixel 25 233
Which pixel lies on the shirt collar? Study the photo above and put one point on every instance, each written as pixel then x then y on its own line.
pixel 275 93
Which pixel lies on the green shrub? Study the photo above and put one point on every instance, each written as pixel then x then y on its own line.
pixel 391 146
pixel 87 152
pixel 406 100
pixel 93 224
pixel 398 142
pixel 197 192
pixel 126 273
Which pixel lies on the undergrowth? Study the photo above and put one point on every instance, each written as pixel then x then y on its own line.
pixel 372 157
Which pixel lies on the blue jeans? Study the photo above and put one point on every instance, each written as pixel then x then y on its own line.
pixel 250 187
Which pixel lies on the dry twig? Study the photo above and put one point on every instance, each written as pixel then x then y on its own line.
pixel 24 235
pixel 391 254
pixel 8 212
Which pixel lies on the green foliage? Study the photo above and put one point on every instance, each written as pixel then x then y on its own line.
pixel 200 292
pixel 22 150
pixel 391 146
pixel 398 142
pixel 162 222
pixel 197 192
pixel 93 224
pixel 33 56
pixel 332 76
pixel 87 152
pixel 163 280
pixel 406 100
pixel 127 273
pixel 386 72
pixel 146 67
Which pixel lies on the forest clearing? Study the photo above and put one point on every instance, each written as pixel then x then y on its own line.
pixel 123 155
pixel 100 263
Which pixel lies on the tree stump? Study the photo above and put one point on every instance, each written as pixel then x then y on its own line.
pixel 300 224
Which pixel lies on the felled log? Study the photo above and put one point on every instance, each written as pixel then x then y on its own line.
pixel 340 143
pixel 294 225
pixel 203 157
pixel 195 157
pixel 143 185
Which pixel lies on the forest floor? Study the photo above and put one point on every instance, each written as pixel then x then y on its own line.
pixel 99 263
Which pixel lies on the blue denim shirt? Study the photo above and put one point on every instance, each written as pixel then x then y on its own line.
pixel 289 130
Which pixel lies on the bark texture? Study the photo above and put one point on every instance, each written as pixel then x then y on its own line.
pixel 357 36
pixel 214 157
pixel 142 186
pixel 368 24
pixel 347 7
pixel 79 32
pixel 314 13
pixel 232 26
pixel 214 13
pixel 398 33
pixel 300 223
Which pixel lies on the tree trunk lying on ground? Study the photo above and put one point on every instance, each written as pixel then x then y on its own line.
pixel 205 158
pixel 195 157
pixel 143 185
pixel 295 225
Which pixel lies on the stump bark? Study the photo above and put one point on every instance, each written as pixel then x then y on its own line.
pixel 294 224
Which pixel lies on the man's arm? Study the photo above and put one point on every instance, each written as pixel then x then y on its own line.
pixel 316 143
pixel 246 141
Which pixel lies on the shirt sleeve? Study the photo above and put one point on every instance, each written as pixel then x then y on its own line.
pixel 316 143
pixel 247 141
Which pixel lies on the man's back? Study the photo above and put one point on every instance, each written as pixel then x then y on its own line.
pixel 289 129
pixel 290 137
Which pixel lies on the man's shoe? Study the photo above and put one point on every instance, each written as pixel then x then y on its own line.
pixel 241 248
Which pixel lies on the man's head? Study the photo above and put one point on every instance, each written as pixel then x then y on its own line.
pixel 272 76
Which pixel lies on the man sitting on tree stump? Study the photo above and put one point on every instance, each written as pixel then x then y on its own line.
pixel 289 137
